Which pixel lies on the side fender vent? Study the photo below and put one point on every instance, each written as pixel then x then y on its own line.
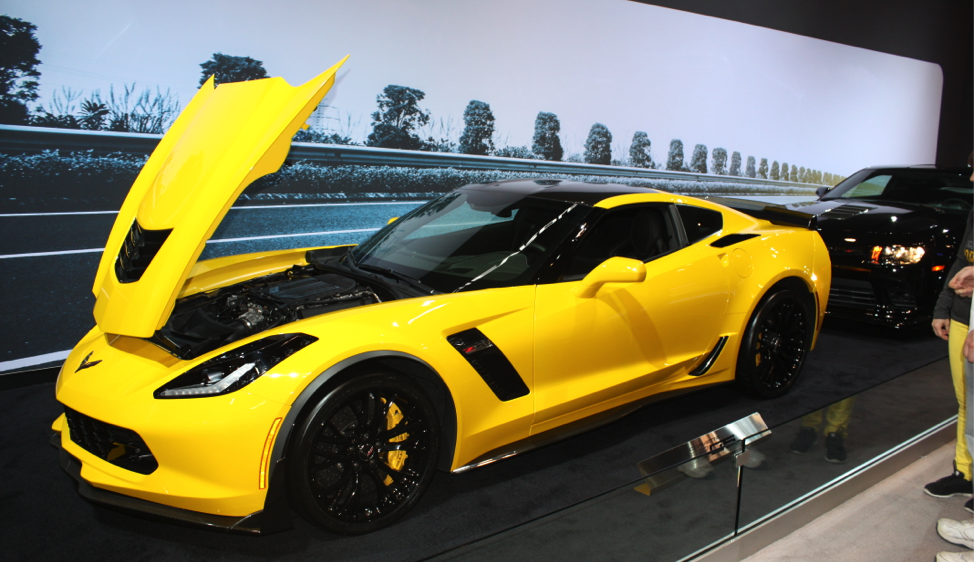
pixel 731 239
pixel 490 363
pixel 137 251
pixel 711 359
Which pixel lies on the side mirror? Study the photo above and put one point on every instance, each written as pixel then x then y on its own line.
pixel 822 191
pixel 392 220
pixel 612 270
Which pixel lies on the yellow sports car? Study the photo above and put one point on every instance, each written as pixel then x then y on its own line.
pixel 334 381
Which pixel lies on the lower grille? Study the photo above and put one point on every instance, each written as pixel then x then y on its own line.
pixel 852 297
pixel 117 445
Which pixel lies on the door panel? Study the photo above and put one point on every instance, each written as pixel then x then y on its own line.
pixel 627 339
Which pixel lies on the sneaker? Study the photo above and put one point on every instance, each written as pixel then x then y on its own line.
pixel 957 532
pixel 835 449
pixel 804 440
pixel 953 485
pixel 955 556
pixel 969 506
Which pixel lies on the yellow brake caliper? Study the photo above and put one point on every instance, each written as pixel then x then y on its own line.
pixel 394 459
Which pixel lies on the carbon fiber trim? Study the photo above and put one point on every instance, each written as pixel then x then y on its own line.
pixel 731 239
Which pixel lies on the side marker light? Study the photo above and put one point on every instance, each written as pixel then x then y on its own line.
pixel 265 456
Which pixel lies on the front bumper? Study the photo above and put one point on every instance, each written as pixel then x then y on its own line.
pixel 895 297
pixel 274 518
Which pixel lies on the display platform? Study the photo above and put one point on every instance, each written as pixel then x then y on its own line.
pixel 506 502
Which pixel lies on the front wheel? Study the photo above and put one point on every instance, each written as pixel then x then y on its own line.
pixel 776 341
pixel 365 454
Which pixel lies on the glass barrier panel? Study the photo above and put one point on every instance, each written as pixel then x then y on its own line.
pixel 802 457
pixel 686 503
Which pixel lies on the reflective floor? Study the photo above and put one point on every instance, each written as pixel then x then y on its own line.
pixel 705 503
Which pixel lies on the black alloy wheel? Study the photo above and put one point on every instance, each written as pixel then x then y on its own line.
pixel 775 344
pixel 365 455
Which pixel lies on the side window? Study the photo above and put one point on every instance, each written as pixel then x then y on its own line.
pixel 642 232
pixel 699 223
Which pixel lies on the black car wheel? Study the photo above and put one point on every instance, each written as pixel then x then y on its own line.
pixel 365 454
pixel 775 344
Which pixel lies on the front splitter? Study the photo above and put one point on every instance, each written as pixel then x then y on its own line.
pixel 249 524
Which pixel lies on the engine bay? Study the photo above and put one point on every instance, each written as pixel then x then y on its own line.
pixel 203 322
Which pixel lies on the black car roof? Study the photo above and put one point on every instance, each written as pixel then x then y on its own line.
pixel 561 190
pixel 924 168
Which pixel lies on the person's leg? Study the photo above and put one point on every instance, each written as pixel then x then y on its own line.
pixel 807 434
pixel 837 416
pixel 836 425
pixel 958 367
pixel 958 483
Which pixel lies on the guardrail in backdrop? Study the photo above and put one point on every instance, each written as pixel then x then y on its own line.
pixel 18 139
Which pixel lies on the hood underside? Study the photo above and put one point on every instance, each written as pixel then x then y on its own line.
pixel 227 137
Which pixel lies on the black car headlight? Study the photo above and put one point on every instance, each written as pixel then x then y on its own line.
pixel 896 255
pixel 234 369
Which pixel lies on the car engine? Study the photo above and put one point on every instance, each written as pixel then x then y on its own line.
pixel 207 321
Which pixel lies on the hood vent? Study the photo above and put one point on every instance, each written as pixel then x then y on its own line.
pixel 846 211
pixel 137 251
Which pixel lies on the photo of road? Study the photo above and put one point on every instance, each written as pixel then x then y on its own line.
pixel 49 272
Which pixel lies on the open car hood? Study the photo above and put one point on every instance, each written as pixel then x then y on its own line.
pixel 227 137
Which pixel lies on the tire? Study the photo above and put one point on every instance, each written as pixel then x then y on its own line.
pixel 365 454
pixel 775 344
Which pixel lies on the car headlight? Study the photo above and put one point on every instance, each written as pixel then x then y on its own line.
pixel 896 255
pixel 234 369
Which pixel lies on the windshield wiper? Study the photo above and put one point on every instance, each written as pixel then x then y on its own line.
pixel 411 281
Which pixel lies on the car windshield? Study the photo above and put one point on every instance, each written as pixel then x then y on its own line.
pixel 469 239
pixel 948 190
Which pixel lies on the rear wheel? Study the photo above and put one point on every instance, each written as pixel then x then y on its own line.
pixel 775 344
pixel 365 455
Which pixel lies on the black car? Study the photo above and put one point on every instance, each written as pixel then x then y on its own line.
pixel 892 233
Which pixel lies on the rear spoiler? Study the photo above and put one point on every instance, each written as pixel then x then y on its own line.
pixel 771 212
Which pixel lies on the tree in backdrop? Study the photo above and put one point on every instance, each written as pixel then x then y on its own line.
pixel 440 135
pixel 59 111
pixel 794 173
pixel 719 161
pixel 749 171
pixel 147 111
pixel 546 143
pixel 598 145
pixel 639 156
pixel 228 68
pixel 398 116
pixel 18 69
pixel 93 113
pixel 774 171
pixel 516 152
pixel 321 137
pixel 674 159
pixel 802 175
pixel 698 162
pixel 763 169
pixel 735 167
pixel 784 172
pixel 478 130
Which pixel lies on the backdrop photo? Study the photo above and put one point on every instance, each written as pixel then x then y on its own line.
pixel 434 96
